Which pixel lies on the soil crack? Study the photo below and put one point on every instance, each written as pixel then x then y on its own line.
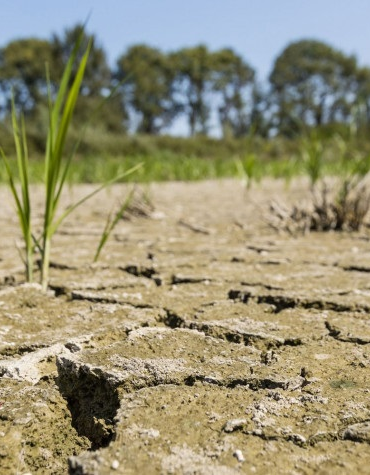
pixel 337 334
pixel 93 402
pixel 143 271
pixel 218 331
pixel 95 298
pixel 283 302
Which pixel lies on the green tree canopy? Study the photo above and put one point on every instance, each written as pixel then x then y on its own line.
pixel 363 95
pixel 233 79
pixel 193 73
pixel 147 79
pixel 23 71
pixel 312 84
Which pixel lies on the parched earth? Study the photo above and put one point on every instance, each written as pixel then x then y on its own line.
pixel 202 342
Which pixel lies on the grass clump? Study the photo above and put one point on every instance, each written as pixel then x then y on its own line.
pixel 343 384
pixel 328 210
pixel 339 207
pixel 340 204
pixel 22 198
pixel 247 169
pixel 55 166
pixel 313 157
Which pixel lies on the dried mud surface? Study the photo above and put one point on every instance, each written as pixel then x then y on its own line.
pixel 202 342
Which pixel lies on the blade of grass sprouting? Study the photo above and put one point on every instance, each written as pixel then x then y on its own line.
pixel 71 208
pixel 103 237
pixel 20 141
pixel 66 116
pixel 240 169
pixel 37 243
pixel 60 116
pixel 50 134
pixel 64 174
pixel 63 86
pixel 13 189
pixel 111 224
pixel 63 177
pixel 24 205
pixel 55 108
pixel 79 140
pixel 25 168
pixel 69 106
pixel 21 198
pixel 57 135
pixel 55 112
pixel 63 128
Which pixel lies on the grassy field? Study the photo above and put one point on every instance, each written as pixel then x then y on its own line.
pixel 169 166
pixel 104 155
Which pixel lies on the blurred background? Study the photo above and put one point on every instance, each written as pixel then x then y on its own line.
pixel 198 83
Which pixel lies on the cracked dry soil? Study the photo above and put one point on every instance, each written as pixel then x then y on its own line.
pixel 201 343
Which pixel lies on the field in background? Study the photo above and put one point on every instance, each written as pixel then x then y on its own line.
pixel 103 155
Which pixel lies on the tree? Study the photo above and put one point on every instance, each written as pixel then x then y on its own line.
pixel 233 79
pixel 260 117
pixel 147 79
pixel 363 95
pixel 312 84
pixel 192 82
pixel 23 72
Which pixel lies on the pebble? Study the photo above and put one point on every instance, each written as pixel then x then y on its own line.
pixel 359 432
pixel 234 424
pixel 238 454
pixel 115 465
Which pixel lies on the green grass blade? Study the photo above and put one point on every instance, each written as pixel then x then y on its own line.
pixel 20 141
pixel 25 170
pixel 60 115
pixel 71 208
pixel 37 243
pixel 59 177
pixel 63 87
pixel 13 189
pixel 22 198
pixel 111 224
pixel 78 142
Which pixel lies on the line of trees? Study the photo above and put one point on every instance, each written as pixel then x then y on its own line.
pixel 311 84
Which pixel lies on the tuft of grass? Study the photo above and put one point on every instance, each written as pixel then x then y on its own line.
pixel 111 223
pixel 247 169
pixel 343 384
pixel 341 207
pixel 313 154
pixel 22 197
pixel 55 166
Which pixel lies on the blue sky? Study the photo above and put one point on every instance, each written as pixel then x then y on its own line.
pixel 257 29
